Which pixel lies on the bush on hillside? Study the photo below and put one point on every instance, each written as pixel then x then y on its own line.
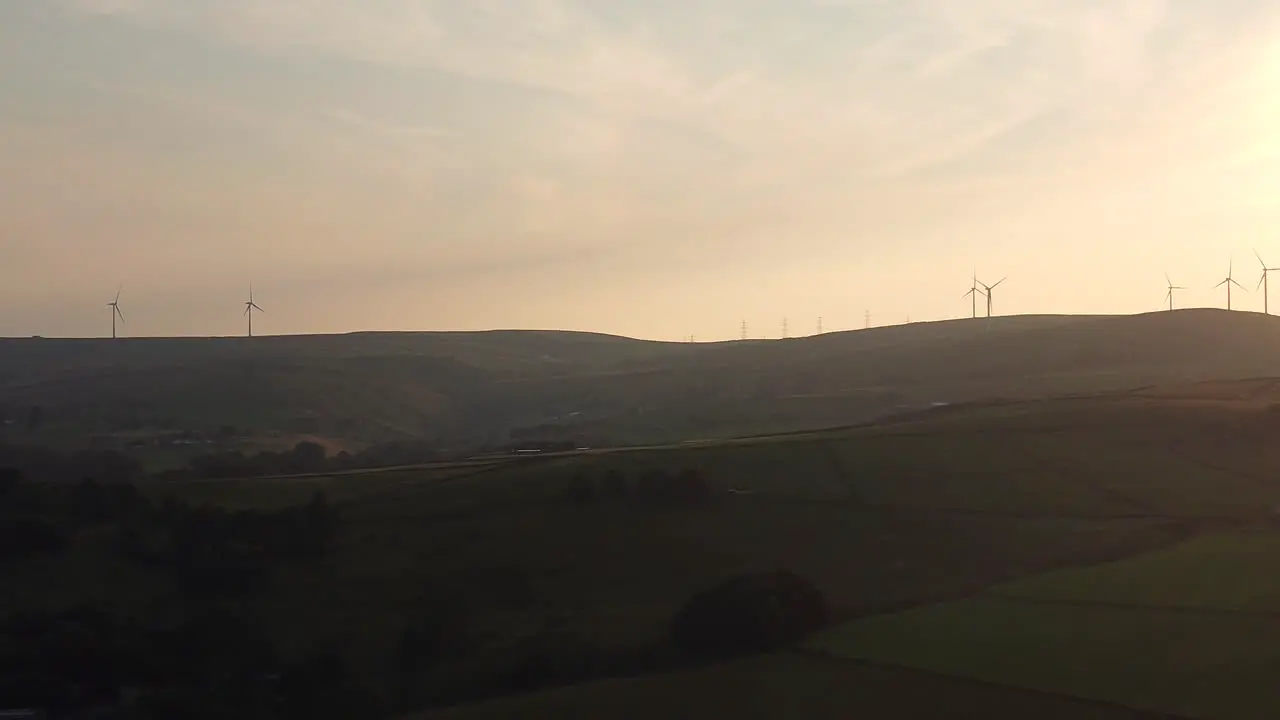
pixel 614 484
pixel 749 614
pixel 688 487
pixel 581 490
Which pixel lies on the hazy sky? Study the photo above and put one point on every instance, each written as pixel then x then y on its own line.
pixel 656 168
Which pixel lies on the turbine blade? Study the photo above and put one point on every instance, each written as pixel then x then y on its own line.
pixel 119 312
pixel 1224 282
pixel 1260 260
pixel 1168 279
pixel 118 291
pixel 246 309
pixel 1233 282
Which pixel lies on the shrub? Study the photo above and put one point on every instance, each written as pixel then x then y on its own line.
pixel 581 490
pixel 614 484
pixel 748 614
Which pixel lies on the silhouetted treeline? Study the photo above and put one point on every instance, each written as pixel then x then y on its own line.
pixel 305 458
pixel 211 662
pixel 49 465
pixel 662 487
pixel 215 663
pixel 752 613
pixel 209 551
pixel 37 520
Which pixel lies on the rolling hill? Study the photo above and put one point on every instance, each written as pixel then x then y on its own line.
pixel 469 388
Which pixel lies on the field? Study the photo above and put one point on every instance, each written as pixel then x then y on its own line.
pixel 1192 630
pixel 791 686
pixel 921 516
pixel 880 518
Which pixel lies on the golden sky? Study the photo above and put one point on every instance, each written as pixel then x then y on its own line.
pixel 656 168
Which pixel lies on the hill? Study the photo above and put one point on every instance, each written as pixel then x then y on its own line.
pixel 470 389
pixel 528 573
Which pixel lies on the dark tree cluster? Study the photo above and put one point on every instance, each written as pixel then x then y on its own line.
pixel 37 520
pixel 305 457
pixel 202 550
pixel 85 662
pixel 654 487
pixel 212 551
pixel 107 466
pixel 211 662
pixel 749 614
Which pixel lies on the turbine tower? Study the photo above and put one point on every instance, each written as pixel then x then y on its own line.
pixel 1229 282
pixel 1172 288
pixel 249 307
pixel 973 293
pixel 115 312
pixel 1265 283
pixel 988 289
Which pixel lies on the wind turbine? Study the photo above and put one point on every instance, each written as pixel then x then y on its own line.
pixel 1229 282
pixel 1172 288
pixel 115 311
pixel 1265 283
pixel 973 293
pixel 989 288
pixel 249 307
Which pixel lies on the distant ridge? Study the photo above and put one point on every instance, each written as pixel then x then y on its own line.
pixel 472 386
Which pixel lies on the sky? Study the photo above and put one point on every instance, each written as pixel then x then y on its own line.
pixel 653 168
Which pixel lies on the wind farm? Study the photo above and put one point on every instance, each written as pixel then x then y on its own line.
pixel 977 291
pixel 603 359
pixel 949 460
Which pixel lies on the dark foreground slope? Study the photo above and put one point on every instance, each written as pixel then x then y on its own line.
pixel 470 388
pixel 442 585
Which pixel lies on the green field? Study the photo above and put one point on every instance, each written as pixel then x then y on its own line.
pixel 1192 630
pixel 881 519
pixel 790 686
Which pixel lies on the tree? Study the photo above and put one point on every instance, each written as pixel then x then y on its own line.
pixel 35 418
pixel 748 614
pixel 581 490
pixel 308 456
pixel 615 485
pixel 10 479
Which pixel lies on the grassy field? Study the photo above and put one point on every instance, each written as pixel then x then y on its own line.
pixel 790 686
pixel 1192 630
pixel 882 519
